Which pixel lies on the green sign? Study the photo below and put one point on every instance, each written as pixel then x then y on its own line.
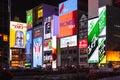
pixel 93 41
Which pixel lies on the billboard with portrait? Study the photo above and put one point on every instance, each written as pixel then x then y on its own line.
pixel 68 24
pixel 37 46
pixel 17 34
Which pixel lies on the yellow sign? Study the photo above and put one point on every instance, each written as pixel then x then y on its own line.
pixel 40 13
pixel 17 34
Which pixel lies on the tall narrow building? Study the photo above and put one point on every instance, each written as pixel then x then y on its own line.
pixel 4 31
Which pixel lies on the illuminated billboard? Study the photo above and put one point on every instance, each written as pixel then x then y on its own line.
pixel 68 41
pixel 83 43
pixel 29 18
pixel 67 6
pixel 102 49
pixel 29 46
pixel 47 57
pixel 51 26
pixel 48 27
pixel 17 34
pixel 102 21
pixel 113 55
pixel 93 40
pixel 37 46
pixel 68 24
pixel 47 45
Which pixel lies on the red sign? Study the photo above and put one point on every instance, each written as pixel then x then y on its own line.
pixel 83 43
pixel 68 24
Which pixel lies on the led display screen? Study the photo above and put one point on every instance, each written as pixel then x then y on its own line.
pixel 102 21
pixel 93 40
pixel 17 34
pixel 67 6
pixel 28 47
pixel 68 24
pixel 68 41
pixel 29 18
pixel 37 46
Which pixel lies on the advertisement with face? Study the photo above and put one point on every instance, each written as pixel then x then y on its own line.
pixel 67 6
pixel 93 40
pixel 29 46
pixel 37 52
pixel 68 24
pixel 37 46
pixel 17 34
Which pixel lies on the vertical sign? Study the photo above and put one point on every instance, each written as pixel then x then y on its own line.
pixel 29 47
pixel 29 18
pixel 93 40
pixel 17 34
pixel 102 50
pixel 102 21
pixel 37 46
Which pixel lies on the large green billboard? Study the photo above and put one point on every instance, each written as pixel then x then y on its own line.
pixel 93 40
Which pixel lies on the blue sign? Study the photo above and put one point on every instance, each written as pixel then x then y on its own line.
pixel 67 6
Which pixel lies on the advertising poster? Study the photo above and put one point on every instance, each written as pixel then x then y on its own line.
pixel 29 18
pixel 68 41
pixel 93 41
pixel 48 27
pixel 102 21
pixel 17 34
pixel 37 46
pixel 47 45
pixel 29 46
pixel 47 57
pixel 68 24
pixel 102 50
pixel 67 6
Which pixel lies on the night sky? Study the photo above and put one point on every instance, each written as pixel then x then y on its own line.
pixel 19 7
